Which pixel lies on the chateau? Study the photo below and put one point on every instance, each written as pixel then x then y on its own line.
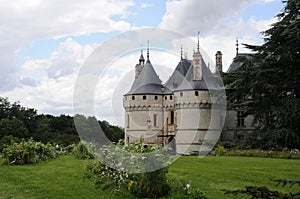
pixel 186 112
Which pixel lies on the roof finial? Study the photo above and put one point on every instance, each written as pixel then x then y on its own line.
pixel 198 46
pixel 181 52
pixel 237 46
pixel 148 51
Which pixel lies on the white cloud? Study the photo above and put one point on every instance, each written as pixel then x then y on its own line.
pixel 189 16
pixel 25 21
pixel 64 60
pixel 219 23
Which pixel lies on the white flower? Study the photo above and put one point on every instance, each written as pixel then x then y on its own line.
pixel 187 186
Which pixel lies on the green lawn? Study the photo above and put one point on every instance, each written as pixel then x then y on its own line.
pixel 64 177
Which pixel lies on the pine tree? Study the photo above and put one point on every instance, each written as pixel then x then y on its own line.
pixel 270 90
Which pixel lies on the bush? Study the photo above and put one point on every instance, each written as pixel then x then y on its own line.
pixel 184 190
pixel 139 184
pixel 27 152
pixel 221 151
pixel 81 152
pixel 7 140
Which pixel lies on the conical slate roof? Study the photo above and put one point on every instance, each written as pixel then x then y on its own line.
pixel 178 76
pixel 147 82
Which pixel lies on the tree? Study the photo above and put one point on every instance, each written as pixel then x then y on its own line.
pixel 270 90
pixel 13 127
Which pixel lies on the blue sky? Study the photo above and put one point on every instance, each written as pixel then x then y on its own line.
pixel 44 43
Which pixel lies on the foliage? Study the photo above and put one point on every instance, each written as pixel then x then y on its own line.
pixel 284 182
pixel 21 122
pixel 183 190
pixel 27 152
pixel 265 193
pixel 151 184
pixel 259 193
pixel 81 152
pixel 91 130
pixel 221 151
pixel 7 140
pixel 270 89
pixel 13 127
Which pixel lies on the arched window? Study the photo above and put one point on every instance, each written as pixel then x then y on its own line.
pixel 144 97
pixel 166 98
pixel 171 97
pixel 133 98
pixel 181 94
pixel 155 97
pixel 196 93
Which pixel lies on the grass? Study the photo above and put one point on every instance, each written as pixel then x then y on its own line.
pixel 64 177
pixel 212 174
pixel 56 178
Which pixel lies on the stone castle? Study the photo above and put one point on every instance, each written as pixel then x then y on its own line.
pixel 186 111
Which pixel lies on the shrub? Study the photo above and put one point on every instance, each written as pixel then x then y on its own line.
pixel 7 140
pixel 221 151
pixel 81 152
pixel 27 152
pixel 139 184
pixel 184 190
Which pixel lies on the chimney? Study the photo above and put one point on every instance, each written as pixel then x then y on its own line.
pixel 219 64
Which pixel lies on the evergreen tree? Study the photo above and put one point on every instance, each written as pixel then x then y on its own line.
pixel 270 89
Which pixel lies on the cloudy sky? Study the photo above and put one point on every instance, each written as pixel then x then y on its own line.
pixel 43 44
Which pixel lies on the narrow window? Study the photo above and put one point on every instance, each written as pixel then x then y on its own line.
pixel 128 121
pixel 240 119
pixel 155 120
pixel 196 93
pixel 172 117
pixel 144 97
pixel 171 97
pixel 133 98
pixel 155 97
pixel 181 94
pixel 127 140
pixel 166 98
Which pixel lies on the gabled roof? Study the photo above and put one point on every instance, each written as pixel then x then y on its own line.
pixel 147 82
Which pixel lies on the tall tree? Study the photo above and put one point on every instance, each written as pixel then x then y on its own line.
pixel 271 89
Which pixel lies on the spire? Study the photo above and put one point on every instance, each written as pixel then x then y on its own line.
pixel 198 46
pixel 237 46
pixel 141 60
pixel 141 49
pixel 148 60
pixel 181 52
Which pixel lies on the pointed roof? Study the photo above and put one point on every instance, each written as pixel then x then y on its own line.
pixel 177 76
pixel 182 78
pixel 147 82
